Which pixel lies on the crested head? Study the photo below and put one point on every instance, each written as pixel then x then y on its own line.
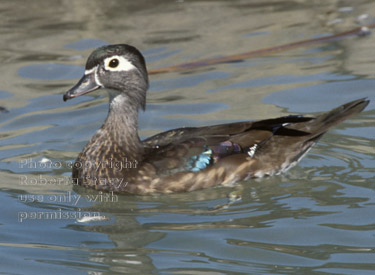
pixel 120 68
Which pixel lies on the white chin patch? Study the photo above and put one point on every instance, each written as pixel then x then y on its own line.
pixel 91 70
pixel 95 72
pixel 122 64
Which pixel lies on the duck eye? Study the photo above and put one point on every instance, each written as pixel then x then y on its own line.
pixel 113 63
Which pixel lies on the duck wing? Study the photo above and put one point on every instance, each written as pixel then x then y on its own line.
pixel 195 149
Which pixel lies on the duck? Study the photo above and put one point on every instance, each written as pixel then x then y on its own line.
pixel 188 158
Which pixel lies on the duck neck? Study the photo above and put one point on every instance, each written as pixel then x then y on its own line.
pixel 121 127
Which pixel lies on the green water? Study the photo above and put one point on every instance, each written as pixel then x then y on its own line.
pixel 316 219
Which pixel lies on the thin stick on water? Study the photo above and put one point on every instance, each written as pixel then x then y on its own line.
pixel 360 31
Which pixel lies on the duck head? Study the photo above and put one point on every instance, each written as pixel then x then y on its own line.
pixel 121 69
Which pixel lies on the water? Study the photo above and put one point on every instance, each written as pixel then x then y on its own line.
pixel 316 219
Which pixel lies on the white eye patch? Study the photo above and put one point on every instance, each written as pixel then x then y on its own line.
pixel 117 63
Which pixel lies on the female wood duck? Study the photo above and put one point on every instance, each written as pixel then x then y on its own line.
pixel 185 159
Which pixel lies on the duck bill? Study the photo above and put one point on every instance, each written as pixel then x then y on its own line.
pixel 85 85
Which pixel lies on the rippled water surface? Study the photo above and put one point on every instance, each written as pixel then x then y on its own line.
pixel 316 219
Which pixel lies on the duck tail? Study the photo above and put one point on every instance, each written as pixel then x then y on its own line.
pixel 323 122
